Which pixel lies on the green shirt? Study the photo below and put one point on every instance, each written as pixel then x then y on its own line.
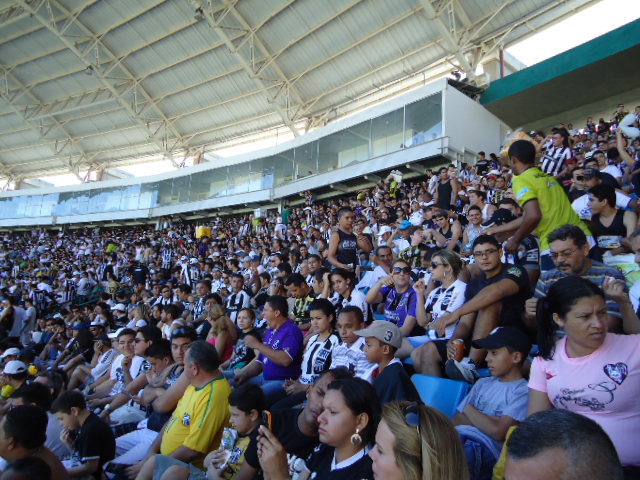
pixel 554 204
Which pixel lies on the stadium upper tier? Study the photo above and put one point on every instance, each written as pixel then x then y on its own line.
pixel 434 123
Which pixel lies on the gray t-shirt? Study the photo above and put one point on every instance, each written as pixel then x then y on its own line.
pixel 496 398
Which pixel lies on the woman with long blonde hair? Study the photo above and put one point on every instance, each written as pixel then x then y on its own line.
pixel 219 335
pixel 417 442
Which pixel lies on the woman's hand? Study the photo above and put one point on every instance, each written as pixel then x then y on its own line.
pixel 420 287
pixel 272 455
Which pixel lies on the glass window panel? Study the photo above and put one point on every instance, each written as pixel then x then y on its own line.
pixel 148 195
pixel 111 199
pixel 20 206
pixel 306 160
pixel 81 202
pixel 423 121
pixel 164 192
pixel 211 183
pixel 238 178
pixel 34 203
pixel 345 147
pixel 5 207
pixel 283 164
pixel 386 133
pixel 261 174
pixel 64 203
pixel 130 196
pixel 49 203
pixel 180 189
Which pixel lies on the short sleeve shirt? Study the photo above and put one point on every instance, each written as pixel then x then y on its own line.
pixel 398 305
pixel 556 210
pixel 287 338
pixel 496 398
pixel 596 274
pixel 198 420
pixel 95 441
pixel 317 357
pixel 602 386
pixel 513 305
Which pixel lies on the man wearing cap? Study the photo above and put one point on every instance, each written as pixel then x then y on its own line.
pixel 498 402
pixel 391 382
pixel 120 317
pixel 14 375
pixel 10 354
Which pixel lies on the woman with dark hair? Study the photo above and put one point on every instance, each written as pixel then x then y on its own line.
pixel 347 428
pixel 589 371
pixel 344 292
pixel 399 297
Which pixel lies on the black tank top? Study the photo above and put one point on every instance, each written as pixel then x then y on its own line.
pixel 347 246
pixel 444 195
pixel 609 237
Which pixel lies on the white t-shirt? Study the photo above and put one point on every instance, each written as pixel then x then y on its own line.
pixel 612 170
pixel 581 206
pixel 104 362
pixel 117 372
pixel 442 300
pixel 371 278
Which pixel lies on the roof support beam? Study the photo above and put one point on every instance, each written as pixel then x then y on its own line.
pixel 247 58
pixel 158 128
pixel 449 36
pixel 56 137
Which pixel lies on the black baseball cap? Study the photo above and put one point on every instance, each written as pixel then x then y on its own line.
pixel 505 337
pixel 499 217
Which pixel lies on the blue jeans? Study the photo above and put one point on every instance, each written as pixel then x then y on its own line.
pixel 273 389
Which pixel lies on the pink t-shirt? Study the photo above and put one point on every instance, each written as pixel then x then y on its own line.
pixel 603 386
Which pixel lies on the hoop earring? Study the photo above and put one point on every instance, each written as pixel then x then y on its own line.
pixel 356 439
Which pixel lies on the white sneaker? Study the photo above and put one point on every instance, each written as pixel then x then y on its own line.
pixel 464 370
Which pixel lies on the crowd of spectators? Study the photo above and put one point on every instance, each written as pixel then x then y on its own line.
pixel 282 346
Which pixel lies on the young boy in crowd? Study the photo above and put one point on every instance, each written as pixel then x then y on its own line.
pixel 87 436
pixel 246 404
pixel 391 382
pixel 350 353
pixel 498 402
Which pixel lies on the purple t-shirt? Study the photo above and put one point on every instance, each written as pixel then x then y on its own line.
pixel 287 338
pixel 398 305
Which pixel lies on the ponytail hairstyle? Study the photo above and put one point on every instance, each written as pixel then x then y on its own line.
pixel 561 298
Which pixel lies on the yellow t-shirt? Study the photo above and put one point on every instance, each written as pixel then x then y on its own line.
pixel 554 203
pixel 198 420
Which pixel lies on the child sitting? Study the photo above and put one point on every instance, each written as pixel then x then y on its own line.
pixel 391 382
pixel 245 407
pixel 498 402
pixel 85 434
pixel 350 353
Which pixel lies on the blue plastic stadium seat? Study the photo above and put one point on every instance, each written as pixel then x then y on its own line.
pixel 440 393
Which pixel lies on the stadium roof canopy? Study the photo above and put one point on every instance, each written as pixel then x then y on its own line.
pixel 93 84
